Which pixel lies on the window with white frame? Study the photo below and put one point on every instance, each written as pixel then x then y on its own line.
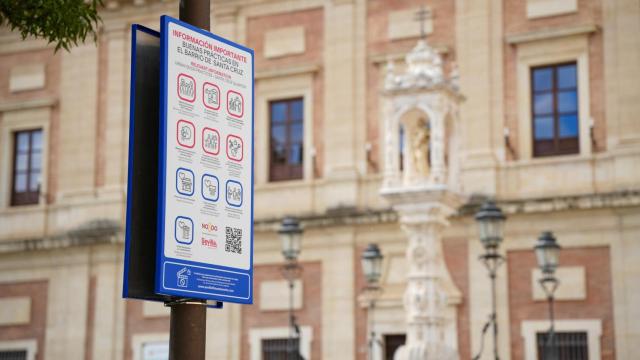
pixel 151 346
pixel 274 343
pixel 281 349
pixel 576 339
pixel 563 345
pixel 13 355
pixel 23 156
pixel 155 350
pixel 18 350
pixel 553 95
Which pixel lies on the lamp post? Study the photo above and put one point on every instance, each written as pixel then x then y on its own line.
pixel 372 269
pixel 490 221
pixel 547 253
pixel 290 237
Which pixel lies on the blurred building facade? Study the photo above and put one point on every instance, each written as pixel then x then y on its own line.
pixel 546 122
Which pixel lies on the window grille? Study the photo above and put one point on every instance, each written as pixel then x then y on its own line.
pixel 281 349
pixel 568 345
pixel 13 355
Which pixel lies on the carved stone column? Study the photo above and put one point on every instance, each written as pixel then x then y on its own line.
pixel 423 200
pixel 425 299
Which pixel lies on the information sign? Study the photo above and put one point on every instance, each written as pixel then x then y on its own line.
pixel 205 185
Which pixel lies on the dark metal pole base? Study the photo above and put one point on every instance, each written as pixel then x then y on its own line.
pixel 188 331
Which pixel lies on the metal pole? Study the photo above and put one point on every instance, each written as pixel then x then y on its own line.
pixel 196 13
pixel 551 346
pixel 291 322
pixel 187 336
pixel 188 328
pixel 372 336
pixel 493 316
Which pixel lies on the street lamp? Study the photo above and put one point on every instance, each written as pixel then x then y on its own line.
pixel 547 253
pixel 290 237
pixel 372 264
pixel 490 221
pixel 372 269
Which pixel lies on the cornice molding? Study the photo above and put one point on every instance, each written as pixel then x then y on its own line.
pixel 547 34
pixel 28 104
pixel 609 200
pixel 287 71
pixel 93 233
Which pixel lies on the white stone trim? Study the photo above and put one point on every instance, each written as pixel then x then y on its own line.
pixel 544 8
pixel 137 341
pixel 17 120
pixel 30 345
pixel 389 321
pixel 256 336
pixel 15 310
pixel 274 295
pixel 573 284
pixel 547 52
pixel 284 41
pixel 27 77
pixel 529 329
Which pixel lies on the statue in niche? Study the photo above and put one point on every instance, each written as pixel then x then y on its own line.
pixel 421 150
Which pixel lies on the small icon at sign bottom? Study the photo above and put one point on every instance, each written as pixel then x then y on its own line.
pixel 184 230
pixel 183 277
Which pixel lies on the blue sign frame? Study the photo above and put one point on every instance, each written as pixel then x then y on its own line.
pixel 170 272
pixel 138 278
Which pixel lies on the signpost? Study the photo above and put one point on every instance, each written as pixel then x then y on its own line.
pixel 189 236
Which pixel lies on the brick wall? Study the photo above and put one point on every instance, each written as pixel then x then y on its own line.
pixel 137 323
pixel 36 328
pixel 456 255
pixel 309 315
pixel 597 305
pixel 311 20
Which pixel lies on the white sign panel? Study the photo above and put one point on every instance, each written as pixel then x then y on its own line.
pixel 206 167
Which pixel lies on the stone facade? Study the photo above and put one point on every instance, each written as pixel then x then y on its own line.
pixel 61 259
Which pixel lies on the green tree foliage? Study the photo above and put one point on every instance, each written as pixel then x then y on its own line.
pixel 63 22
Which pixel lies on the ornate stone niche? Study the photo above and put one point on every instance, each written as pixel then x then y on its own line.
pixel 420 108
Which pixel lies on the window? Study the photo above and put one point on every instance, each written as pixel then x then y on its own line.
pixel 13 355
pixel 569 345
pixel 271 343
pixel 286 139
pixel 156 350
pixel 27 165
pixel 281 349
pixel 554 108
pixel 391 344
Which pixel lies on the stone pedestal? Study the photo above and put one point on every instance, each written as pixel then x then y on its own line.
pixel 431 296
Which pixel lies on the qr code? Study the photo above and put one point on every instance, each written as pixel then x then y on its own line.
pixel 233 243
